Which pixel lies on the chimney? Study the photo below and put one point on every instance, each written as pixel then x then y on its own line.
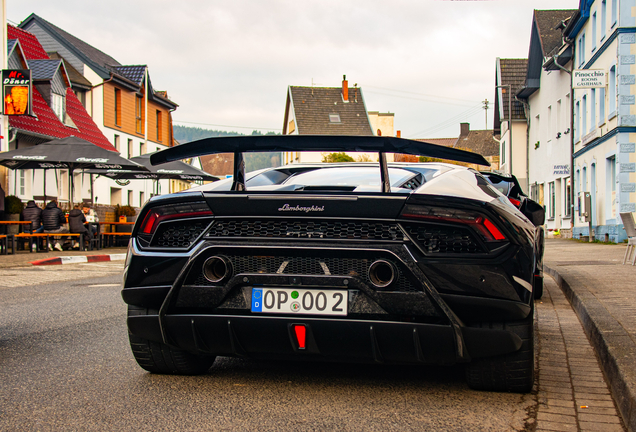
pixel 464 129
pixel 399 134
pixel 345 89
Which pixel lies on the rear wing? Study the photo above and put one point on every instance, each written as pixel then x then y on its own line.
pixel 326 143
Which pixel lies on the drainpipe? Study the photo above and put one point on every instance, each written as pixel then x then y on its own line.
pixel 526 110
pixel 571 139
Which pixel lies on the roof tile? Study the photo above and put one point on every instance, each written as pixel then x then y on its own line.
pixel 45 121
pixel 313 105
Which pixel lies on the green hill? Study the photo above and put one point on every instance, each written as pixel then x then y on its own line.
pixel 253 161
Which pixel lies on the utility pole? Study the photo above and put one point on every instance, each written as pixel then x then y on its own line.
pixel 485 102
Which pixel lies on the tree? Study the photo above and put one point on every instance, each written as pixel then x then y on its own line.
pixel 337 157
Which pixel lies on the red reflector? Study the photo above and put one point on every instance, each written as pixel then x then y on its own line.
pixel 300 335
pixel 515 202
pixel 493 230
pixel 149 223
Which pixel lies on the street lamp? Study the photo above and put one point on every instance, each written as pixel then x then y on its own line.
pixel 509 86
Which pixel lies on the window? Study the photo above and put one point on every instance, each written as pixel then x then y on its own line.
pixel 603 18
pixel 581 50
pixel 534 192
pixel 552 198
pixel 577 181
pixel 584 180
pixel 558 117
pixel 614 12
pixel 158 125
pixel 142 148
pixel 334 118
pixel 22 183
pixel 138 111
pixel 142 199
pixel 610 200
pixel 503 152
pixel 593 31
pixel 115 196
pixel 130 148
pixel 81 96
pixel 592 109
pixel 601 106
pixel 57 105
pixel 130 198
pixel 116 143
pixel 118 107
pixel 584 117
pixel 612 90
pixel 550 131
pixel 568 196
pixel 577 120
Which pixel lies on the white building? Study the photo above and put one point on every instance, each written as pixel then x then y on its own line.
pixel 546 98
pixel 510 119
pixel 603 33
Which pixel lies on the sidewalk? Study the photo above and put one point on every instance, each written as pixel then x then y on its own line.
pixel 602 291
pixel 25 258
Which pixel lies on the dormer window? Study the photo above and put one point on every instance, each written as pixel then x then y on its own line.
pixel 58 106
pixel 334 118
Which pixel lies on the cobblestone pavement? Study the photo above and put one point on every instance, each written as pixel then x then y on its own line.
pixel 573 394
pixel 34 275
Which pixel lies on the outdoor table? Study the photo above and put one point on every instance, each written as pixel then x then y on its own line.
pixel 6 223
pixel 111 235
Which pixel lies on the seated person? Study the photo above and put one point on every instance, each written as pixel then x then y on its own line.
pixel 76 221
pixel 32 212
pixel 91 218
pixel 54 221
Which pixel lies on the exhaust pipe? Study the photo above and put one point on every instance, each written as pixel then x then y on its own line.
pixel 216 269
pixel 381 273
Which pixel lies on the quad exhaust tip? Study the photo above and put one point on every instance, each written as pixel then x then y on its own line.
pixel 381 274
pixel 216 269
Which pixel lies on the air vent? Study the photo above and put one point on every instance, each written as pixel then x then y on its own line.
pixel 306 229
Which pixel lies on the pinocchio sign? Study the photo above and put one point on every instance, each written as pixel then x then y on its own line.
pixel 16 92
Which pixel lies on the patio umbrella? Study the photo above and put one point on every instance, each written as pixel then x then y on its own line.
pixel 176 170
pixel 68 153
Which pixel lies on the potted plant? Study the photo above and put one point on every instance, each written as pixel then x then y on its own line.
pixel 125 213
pixel 13 207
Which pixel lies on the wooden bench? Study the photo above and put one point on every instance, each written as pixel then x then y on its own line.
pixel 4 243
pixel 108 238
pixel 47 237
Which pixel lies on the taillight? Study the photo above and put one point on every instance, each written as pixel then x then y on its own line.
pixel 159 214
pixel 516 202
pixel 477 221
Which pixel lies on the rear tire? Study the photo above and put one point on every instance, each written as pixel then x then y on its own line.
pixel 510 372
pixel 160 358
pixel 538 287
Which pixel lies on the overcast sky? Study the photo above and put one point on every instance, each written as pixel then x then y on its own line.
pixel 228 63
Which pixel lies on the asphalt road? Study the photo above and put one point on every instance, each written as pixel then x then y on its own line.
pixel 65 364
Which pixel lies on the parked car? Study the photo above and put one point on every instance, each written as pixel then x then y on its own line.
pixel 508 185
pixel 424 263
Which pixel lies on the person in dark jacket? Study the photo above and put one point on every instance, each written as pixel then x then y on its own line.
pixel 32 212
pixel 76 221
pixel 53 221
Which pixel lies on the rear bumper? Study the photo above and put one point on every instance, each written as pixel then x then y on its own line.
pixel 359 341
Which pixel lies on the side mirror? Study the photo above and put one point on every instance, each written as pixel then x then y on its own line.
pixel 533 211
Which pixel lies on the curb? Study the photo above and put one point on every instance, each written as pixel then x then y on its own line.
pixel 79 259
pixel 623 392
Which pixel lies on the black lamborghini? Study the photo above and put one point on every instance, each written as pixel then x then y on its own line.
pixel 423 263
